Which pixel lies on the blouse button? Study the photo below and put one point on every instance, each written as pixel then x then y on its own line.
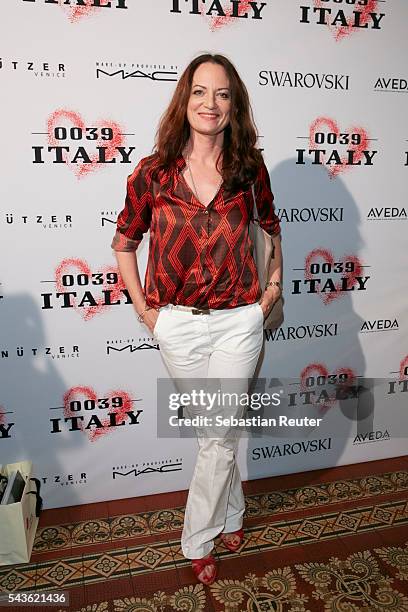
pixel 206 212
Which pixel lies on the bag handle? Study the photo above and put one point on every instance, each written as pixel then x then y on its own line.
pixel 255 218
pixel 39 500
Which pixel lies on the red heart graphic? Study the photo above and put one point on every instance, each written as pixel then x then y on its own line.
pixel 75 119
pixel 342 31
pixel 88 393
pixel 75 13
pixel 403 365
pixel 332 126
pixel 318 369
pixel 70 266
pixel 328 257
pixel 219 21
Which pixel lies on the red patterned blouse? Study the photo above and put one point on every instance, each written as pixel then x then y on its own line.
pixel 198 255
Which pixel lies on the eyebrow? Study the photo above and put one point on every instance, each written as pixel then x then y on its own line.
pixel 203 87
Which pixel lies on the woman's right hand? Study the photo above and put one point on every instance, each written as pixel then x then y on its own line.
pixel 149 319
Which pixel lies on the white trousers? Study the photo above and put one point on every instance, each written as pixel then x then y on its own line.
pixel 220 345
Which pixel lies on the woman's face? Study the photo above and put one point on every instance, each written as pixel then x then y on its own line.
pixel 208 109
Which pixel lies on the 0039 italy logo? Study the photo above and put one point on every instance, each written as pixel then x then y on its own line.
pixel 339 150
pixel 87 292
pixel 84 147
pixel 219 14
pixel 320 387
pixel 343 17
pixel 85 410
pixel 330 277
pixel 76 10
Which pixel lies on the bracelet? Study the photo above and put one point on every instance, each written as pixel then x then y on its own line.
pixel 274 284
pixel 140 317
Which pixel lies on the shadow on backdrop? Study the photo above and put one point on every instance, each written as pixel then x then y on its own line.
pixel 31 387
pixel 337 350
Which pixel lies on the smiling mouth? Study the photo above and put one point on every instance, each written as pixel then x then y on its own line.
pixel 208 115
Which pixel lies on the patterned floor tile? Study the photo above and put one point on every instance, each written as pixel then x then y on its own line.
pixel 16 579
pixel 60 573
pixel 150 558
pixel 330 546
pixel 161 522
pixel 101 566
pixel 352 582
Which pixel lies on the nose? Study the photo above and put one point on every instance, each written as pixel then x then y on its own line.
pixel 209 101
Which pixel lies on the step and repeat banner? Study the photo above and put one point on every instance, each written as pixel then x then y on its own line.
pixel 84 84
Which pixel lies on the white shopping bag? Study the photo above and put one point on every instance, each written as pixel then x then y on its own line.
pixel 19 520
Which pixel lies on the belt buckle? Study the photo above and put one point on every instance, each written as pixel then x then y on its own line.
pixel 196 311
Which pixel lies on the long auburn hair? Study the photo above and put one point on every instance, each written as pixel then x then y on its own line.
pixel 241 159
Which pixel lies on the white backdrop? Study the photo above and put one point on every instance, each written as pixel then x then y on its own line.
pixel 83 86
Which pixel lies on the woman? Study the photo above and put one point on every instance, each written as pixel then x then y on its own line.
pixel 201 293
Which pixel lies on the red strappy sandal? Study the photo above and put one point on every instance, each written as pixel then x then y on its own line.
pixel 199 564
pixel 229 545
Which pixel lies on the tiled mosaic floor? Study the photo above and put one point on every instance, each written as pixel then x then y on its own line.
pixel 333 540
